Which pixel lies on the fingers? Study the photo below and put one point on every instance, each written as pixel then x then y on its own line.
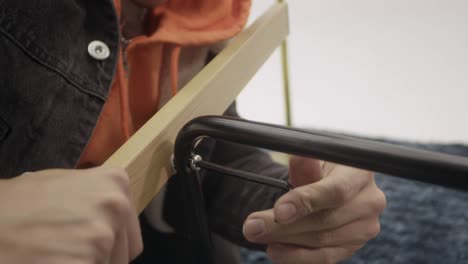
pixel 261 226
pixel 284 254
pixel 119 253
pixel 125 211
pixel 122 215
pixel 304 171
pixel 368 204
pixel 322 220
pixel 135 241
pixel 118 177
pixel 332 191
pixel 98 224
pixel 357 232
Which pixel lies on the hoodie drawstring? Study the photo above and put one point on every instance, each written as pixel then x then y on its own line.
pixel 124 102
pixel 175 55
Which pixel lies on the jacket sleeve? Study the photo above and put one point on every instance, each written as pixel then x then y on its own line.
pixel 230 200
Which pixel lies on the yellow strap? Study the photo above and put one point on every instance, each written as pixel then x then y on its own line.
pixel 286 81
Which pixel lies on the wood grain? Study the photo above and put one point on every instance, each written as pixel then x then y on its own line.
pixel 146 155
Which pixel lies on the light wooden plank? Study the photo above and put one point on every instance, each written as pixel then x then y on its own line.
pixel 146 155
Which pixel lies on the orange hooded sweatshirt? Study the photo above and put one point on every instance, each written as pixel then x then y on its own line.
pixel 186 26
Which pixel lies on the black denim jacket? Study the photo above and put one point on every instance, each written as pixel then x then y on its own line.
pixel 52 92
pixel 51 89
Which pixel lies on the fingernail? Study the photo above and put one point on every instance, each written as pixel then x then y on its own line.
pixel 254 227
pixel 286 212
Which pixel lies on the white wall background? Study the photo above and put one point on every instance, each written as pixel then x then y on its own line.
pixel 392 68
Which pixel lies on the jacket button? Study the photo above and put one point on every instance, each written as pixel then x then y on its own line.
pixel 98 50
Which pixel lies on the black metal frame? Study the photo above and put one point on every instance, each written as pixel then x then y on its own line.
pixel 430 167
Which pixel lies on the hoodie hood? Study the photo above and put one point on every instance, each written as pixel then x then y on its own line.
pixel 137 89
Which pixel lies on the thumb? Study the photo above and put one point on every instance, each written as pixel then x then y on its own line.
pixel 303 171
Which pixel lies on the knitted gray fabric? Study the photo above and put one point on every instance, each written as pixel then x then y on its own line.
pixel 422 223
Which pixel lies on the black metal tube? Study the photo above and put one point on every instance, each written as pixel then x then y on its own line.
pixel 431 167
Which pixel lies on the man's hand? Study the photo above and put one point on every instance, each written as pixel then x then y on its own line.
pixel 68 216
pixel 331 213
